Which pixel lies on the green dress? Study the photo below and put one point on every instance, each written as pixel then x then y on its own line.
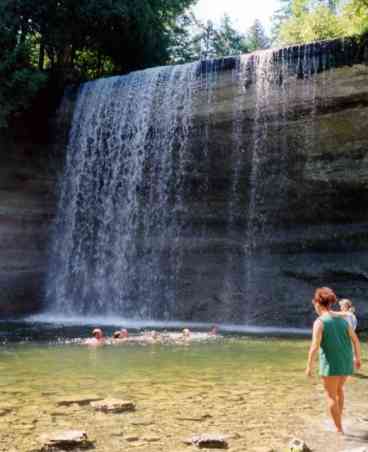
pixel 336 353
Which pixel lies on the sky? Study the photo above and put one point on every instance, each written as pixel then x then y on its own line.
pixel 242 12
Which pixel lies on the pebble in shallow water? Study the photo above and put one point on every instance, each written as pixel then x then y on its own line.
pixel 208 441
pixel 113 406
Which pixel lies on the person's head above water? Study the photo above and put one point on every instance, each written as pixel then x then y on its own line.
pixel 214 330
pixel 186 332
pixel 124 333
pixel 97 333
pixel 323 299
pixel 346 305
pixel 121 334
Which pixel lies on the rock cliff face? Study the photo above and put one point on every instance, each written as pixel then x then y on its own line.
pixel 30 165
pixel 274 202
pixel 300 206
pixel 26 207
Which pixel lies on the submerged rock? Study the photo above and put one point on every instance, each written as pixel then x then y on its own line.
pixel 67 440
pixel 4 410
pixel 208 441
pixel 113 406
pixel 131 438
pixel 82 401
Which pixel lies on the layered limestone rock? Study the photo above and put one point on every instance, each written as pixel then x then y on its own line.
pixel 30 164
pixel 26 207
pixel 299 208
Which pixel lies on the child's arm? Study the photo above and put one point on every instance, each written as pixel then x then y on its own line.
pixel 339 313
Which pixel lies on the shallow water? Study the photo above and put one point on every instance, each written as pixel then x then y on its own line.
pixel 252 389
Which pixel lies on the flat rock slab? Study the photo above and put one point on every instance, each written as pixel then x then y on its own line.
pixel 202 418
pixel 208 441
pixel 113 406
pixel 82 401
pixel 298 445
pixel 67 440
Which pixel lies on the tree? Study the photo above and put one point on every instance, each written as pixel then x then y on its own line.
pixel 206 41
pixel 20 81
pixel 311 21
pixel 183 47
pixel 355 17
pixel 227 40
pixel 280 16
pixel 74 40
pixel 256 37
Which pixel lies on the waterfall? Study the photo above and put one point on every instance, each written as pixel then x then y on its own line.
pixel 121 196
pixel 176 188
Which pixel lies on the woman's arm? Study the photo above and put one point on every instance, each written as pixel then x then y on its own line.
pixel 316 342
pixel 356 345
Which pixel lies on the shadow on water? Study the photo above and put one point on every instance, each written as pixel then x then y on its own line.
pixel 360 376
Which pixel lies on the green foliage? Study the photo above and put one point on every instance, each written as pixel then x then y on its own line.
pixel 355 17
pixel 198 41
pixel 281 15
pixel 311 26
pixel 20 81
pixel 76 40
pixel 227 40
pixel 312 20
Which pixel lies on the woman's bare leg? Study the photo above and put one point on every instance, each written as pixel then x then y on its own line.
pixel 340 394
pixel 331 385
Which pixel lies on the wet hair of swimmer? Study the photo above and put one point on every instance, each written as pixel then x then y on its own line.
pixel 97 333
pixel 120 334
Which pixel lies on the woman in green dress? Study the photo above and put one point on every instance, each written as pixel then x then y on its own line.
pixel 333 337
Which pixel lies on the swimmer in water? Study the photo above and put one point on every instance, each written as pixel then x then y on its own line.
pixel 214 331
pixel 186 335
pixel 120 335
pixel 98 338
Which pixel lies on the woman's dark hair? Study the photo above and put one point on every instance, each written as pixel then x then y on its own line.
pixel 324 296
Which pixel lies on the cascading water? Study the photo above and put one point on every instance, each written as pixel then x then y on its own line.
pixel 121 195
pixel 139 233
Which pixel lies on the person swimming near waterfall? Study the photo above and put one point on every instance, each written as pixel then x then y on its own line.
pixel 333 337
pixel 98 338
pixel 121 334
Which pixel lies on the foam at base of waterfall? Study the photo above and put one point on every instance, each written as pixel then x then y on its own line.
pixel 137 324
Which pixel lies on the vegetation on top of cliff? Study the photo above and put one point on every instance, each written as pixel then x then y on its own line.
pixel 71 41
pixel 20 81
pixel 302 21
pixel 201 41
